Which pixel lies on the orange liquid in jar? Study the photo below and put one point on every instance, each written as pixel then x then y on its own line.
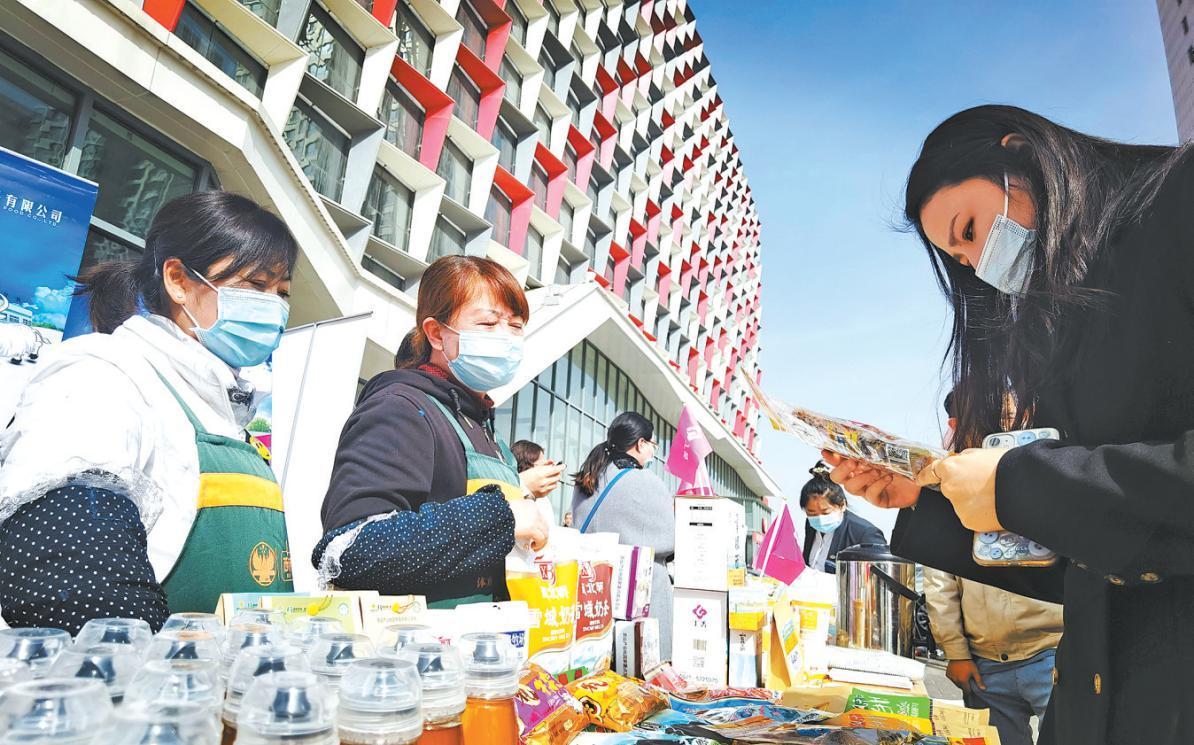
pixel 452 734
pixel 489 722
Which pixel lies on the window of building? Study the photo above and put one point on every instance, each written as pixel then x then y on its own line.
pixel 475 31
pixel 456 169
pixel 574 107
pixel 497 212
pixel 533 252
pixel 404 119
pixel 206 37
pixel 564 272
pixel 466 95
pixel 385 273
pixel 389 204
pixel 447 240
pixel 415 41
pixel 567 218
pixel 553 17
pixel 543 122
pixel 320 147
pixel 136 175
pixel 334 56
pixel 570 160
pixel 35 112
pixel 266 10
pixel 518 22
pixel 539 185
pixel 513 81
pixel 506 143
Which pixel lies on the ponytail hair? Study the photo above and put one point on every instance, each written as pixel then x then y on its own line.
pixel 200 229
pixel 447 285
pixel 821 486
pixel 623 434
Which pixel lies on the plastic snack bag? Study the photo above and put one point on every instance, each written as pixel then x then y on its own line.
pixel 616 703
pixel 547 584
pixel 547 713
pixel 594 608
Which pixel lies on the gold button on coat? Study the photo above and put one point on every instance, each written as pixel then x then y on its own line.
pixel 1150 577
pixel 1055 676
pixel 1115 580
pixel 1098 684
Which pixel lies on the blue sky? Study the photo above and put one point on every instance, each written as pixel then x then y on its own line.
pixel 829 102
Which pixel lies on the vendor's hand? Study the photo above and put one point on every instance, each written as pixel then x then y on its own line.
pixel 529 526
pixel 960 673
pixel 968 481
pixel 540 481
pixel 877 486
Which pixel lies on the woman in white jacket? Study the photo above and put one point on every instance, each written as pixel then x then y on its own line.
pixel 127 485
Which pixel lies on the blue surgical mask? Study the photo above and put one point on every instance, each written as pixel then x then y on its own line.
pixel 248 327
pixel 1007 258
pixel 826 523
pixel 486 360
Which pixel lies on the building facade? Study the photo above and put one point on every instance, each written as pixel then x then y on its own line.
pixel 1176 18
pixel 581 143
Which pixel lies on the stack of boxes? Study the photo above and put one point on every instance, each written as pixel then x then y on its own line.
pixel 710 561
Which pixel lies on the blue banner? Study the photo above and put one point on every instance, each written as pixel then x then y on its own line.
pixel 44 217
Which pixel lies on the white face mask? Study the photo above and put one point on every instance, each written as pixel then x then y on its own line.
pixel 1007 258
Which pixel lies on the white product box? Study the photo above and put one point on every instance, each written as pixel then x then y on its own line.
pixel 700 637
pixel 632 581
pixel 710 542
pixel 746 657
pixel 636 647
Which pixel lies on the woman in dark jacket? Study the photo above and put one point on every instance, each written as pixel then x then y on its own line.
pixel 424 498
pixel 830 525
pixel 1073 292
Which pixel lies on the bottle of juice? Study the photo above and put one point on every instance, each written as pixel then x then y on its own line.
pixel 381 703
pixel 252 663
pixel 442 675
pixel 491 666
pixel 287 708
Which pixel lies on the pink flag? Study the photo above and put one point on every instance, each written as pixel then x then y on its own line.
pixel 701 486
pixel 780 556
pixel 686 460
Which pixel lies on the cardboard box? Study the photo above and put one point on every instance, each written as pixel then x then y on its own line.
pixel 633 570
pixel 345 605
pixel 383 611
pixel 700 637
pixel 636 647
pixel 750 635
pixel 710 543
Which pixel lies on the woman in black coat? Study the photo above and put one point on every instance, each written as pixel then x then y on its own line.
pixel 1073 292
pixel 830 526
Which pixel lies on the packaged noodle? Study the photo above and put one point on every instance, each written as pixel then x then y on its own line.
pixel 547 584
pixel 614 702
pixel 547 713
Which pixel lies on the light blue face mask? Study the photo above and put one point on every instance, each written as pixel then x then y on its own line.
pixel 248 327
pixel 486 360
pixel 1007 258
pixel 826 523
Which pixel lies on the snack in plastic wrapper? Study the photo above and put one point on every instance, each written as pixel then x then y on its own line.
pixel 616 703
pixel 547 583
pixel 665 677
pixel 547 713
pixel 851 439
pixel 702 702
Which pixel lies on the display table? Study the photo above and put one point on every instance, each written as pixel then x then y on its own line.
pixel 831 696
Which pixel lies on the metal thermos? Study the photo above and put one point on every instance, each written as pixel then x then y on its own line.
pixel 875 600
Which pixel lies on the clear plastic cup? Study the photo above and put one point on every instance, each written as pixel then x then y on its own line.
pixel 242 636
pixel 114 665
pixel 442 673
pixel 381 703
pixel 12 672
pixel 331 655
pixel 208 622
pixel 260 616
pixel 131 631
pixel 184 645
pixel 287 709
pixel 306 630
pixel 161 724
pixel 395 637
pixel 173 682
pixel 64 711
pixel 491 665
pixel 36 647
pixel 254 662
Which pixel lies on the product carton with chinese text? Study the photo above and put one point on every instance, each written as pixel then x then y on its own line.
pixel 700 636
pixel 710 543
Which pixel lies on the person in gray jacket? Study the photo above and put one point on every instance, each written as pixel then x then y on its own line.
pixel 615 493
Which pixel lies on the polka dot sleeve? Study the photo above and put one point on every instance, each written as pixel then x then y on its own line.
pixel 75 554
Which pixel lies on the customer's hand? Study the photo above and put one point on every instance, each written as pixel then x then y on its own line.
pixel 960 673
pixel 541 480
pixel 530 529
pixel 968 481
pixel 877 486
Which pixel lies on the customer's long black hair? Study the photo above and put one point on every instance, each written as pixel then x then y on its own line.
pixel 201 229
pixel 1084 188
pixel 623 434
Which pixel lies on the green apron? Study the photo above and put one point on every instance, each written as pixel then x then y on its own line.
pixel 238 541
pixel 482 470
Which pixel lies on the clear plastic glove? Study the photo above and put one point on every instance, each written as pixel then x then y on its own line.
pixel 530 529
pixel 877 486
pixel 539 481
